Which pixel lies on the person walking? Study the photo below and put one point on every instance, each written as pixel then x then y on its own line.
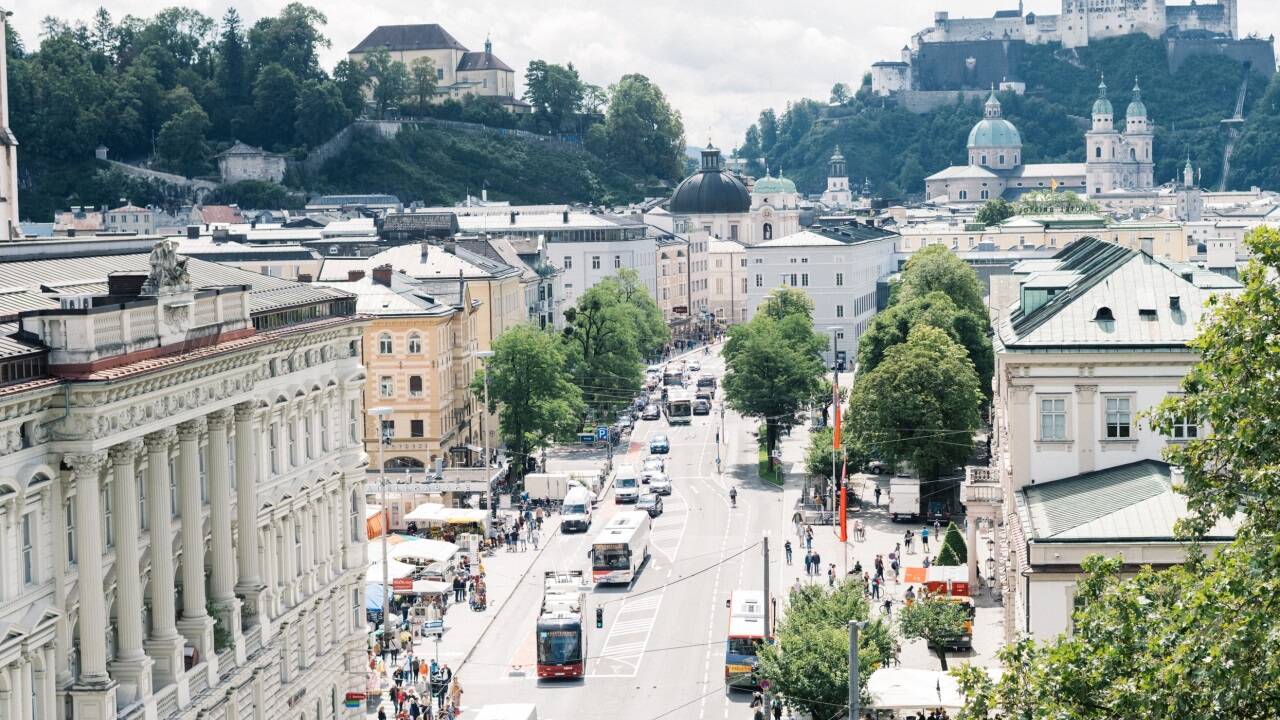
pixel 798 520
pixel 831 575
pixel 927 562
pixel 382 713
pixel 817 562
pixel 897 578
pixel 786 547
pixel 906 540
pixel 888 606
pixel 538 517
pixel 875 587
pixel 777 708
pixel 877 495
pixel 808 537
pixel 459 587
pixel 924 538
pixel 455 695
pixel 535 535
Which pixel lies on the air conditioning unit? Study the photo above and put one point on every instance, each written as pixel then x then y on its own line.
pixel 75 302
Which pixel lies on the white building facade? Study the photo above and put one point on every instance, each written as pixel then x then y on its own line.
pixel 181 495
pixel 838 267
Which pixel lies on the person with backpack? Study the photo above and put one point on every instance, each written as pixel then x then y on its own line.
pixel 786 547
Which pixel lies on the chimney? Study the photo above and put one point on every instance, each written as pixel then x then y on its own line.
pixel 566 217
pixel 382 275
pixel 513 217
pixel 193 232
pixel 354 275
pixel 304 277
pixel 219 235
pixel 1147 245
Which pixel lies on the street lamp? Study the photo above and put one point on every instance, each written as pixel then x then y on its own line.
pixel 484 430
pixel 835 399
pixel 384 436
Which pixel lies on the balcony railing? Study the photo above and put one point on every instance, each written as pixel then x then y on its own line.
pixel 981 486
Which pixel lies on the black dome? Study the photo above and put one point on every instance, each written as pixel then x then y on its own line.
pixel 711 190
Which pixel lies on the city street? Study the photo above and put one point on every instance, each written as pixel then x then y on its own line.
pixel 661 651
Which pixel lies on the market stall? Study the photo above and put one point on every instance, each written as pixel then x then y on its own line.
pixel 908 689
pixel 423 551
pixel 447 523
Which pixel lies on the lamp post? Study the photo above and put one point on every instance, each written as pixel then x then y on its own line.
pixel 854 695
pixel 384 436
pixel 835 400
pixel 484 430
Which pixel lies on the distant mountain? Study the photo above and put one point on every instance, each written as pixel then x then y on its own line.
pixel 897 149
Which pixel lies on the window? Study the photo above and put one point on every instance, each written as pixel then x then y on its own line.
pixel 839 279
pixel 964 194
pixel 324 430
pixel 273 447
pixel 415 429
pixel 1053 419
pixel 733 232
pixel 297 546
pixel 768 231
pixel 388 430
pixel 793 279
pixel 415 386
pixel 744 286
pixel 173 486
pixel 291 431
pixel 415 343
pixel 984 159
pixel 142 503
pixel 568 262
pixel 385 346
pixel 386 386
pixel 1097 151
pixel 759 280
pixel 70 511
pixel 839 311
pixel 439 73
pixel 985 194
pixel 353 422
pixel 353 515
pixel 1185 428
pixel 595 262
pixel 306 436
pixel 108 529
pixel 617 262
pixel 804 279
pixel 29 548
pixel 1119 418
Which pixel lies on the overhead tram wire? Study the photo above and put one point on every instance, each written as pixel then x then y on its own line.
pixel 690 576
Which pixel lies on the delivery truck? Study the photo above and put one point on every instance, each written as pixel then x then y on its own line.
pixel 546 486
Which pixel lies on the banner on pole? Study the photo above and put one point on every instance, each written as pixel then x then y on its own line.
pixel 844 502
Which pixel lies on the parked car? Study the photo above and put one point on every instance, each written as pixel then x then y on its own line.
pixel 695 366
pixel 648 477
pixel 653 462
pixel 650 413
pixel 879 467
pixel 701 407
pixel 659 445
pixel 650 503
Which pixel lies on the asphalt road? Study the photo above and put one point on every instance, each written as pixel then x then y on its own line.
pixel 661 651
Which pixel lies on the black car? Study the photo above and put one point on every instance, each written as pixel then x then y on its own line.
pixel 650 503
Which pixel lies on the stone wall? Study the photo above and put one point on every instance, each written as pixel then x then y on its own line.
pixel 973 65
pixel 1258 52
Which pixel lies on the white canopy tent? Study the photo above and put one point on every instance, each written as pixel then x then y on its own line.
pixel 422 551
pixel 395 570
pixel 425 512
pixel 911 689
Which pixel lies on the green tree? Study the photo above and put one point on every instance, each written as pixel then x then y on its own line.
pixel 768 124
pixel 994 212
pixel 423 81
pixel 349 75
pixel 321 112
pixel 231 69
pixel 808 665
pixel 530 390
pixel 934 619
pixel 555 91
pixel 607 334
pixel 840 94
pixel 181 144
pixel 934 309
pixel 937 268
pixel 643 133
pixel 388 80
pixel 774 366
pixel 920 404
pixel 820 453
pixel 293 39
pixel 1181 636
pixel 953 551
pixel 275 106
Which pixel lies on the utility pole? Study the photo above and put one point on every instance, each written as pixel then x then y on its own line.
pixel 384 436
pixel 854 696
pixel 768 607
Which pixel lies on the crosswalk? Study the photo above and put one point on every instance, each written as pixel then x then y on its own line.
pixel 628 635
pixel 669 527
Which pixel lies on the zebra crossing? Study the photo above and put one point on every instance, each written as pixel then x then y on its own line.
pixel 628 635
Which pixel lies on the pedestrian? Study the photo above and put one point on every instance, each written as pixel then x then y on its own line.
pixel 875 587
pixel 888 606
pixel 897 550
pixel 414 710
pixel 927 561
pixel 455 696
pixel 866 583
pixel 906 540
pixel 817 563
pixel 382 713
pixel 786 547
pixel 395 650
pixel 397 676
pixel 857 567
pixel 859 531
pixel 798 520
pixel 896 577
pixel 535 535
pixel 538 517
pixel 423 670
pixel 808 562
pixel 924 538
pixel 877 495
pixel 910 595
pixel 831 575
pixel 808 537
pixel 777 709
pixel 937 528
pixel 795 587
pixel 459 588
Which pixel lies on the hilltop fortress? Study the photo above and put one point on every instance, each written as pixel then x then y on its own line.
pixel 968 55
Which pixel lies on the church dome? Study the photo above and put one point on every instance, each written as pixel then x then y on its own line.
pixel 769 185
pixel 1102 106
pixel 1136 107
pixel 993 130
pixel 710 191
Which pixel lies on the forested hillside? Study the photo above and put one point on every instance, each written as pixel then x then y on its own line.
pixel 896 149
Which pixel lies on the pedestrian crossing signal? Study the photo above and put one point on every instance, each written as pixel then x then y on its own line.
pixel 599 617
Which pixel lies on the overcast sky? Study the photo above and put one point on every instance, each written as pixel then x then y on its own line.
pixel 719 61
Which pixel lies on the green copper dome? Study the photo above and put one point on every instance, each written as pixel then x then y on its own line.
pixel 1136 107
pixel 769 185
pixel 1102 106
pixel 994 131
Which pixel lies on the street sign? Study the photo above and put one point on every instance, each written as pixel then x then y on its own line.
pixel 434 627
pixel 602 432
pixel 402 584
pixel 354 699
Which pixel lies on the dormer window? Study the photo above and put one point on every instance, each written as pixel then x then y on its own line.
pixel 1148 314
pixel 1104 314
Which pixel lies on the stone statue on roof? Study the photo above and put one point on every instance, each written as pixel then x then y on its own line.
pixel 168 271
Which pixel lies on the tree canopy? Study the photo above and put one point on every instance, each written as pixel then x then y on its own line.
pixel 1194 640
pixel 920 404
pixel 530 390
pixel 934 619
pixel 936 268
pixel 994 212
pixel 642 133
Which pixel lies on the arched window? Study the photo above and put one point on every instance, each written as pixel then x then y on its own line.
pixel 984 159
pixel 415 343
pixel 415 386
pixel 385 346
pixel 768 231
pixel 1133 154
pixel 354 515
pixel 1001 159
pixel 1097 151
pixel 1104 314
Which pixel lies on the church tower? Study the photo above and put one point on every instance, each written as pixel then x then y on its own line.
pixel 8 147
pixel 837 194
pixel 1102 147
pixel 1137 141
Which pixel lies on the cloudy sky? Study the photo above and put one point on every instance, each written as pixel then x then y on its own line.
pixel 719 61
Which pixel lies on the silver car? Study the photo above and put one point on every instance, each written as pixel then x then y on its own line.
pixel 654 462
pixel 659 483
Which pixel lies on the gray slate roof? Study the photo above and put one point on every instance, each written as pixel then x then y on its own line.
pixel 409 37
pixel 479 60
pixel 1135 501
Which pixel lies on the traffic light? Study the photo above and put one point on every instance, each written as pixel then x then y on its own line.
pixel 599 617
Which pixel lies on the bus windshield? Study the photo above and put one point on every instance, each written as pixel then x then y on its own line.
pixel 743 646
pixel 559 646
pixel 679 408
pixel 611 557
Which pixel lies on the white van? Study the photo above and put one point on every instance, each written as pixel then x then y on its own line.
pixel 577 509
pixel 626 484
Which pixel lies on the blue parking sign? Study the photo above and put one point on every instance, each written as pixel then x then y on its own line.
pixel 602 432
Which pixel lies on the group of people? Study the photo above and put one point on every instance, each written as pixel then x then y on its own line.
pixel 524 531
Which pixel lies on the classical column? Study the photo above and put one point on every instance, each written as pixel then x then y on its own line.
pixel 222 587
pixel 306 519
pixel 249 583
pixel 165 644
pixel 94 693
pixel 132 667
pixel 196 624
